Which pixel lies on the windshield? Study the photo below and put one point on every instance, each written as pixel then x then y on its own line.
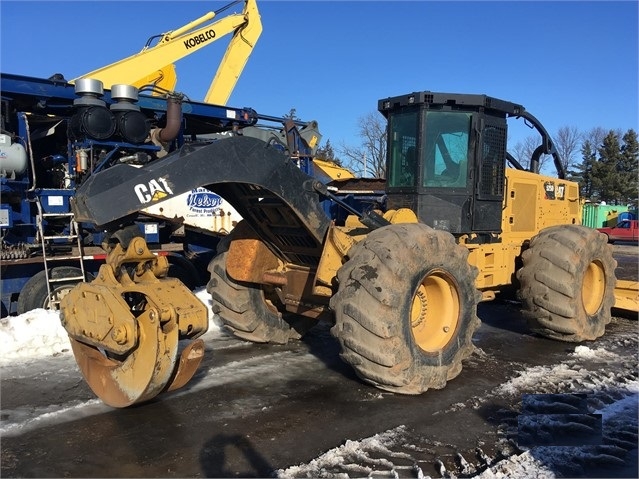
pixel 446 136
pixel 444 151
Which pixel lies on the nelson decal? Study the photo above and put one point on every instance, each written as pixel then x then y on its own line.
pixel 203 202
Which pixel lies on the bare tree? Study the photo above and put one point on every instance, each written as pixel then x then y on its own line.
pixel 597 135
pixel 523 151
pixel 568 142
pixel 368 159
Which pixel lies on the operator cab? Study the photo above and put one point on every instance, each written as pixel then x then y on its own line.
pixel 447 158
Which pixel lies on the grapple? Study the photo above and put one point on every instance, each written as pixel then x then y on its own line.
pixel 134 331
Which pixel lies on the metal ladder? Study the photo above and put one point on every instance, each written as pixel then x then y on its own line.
pixel 74 234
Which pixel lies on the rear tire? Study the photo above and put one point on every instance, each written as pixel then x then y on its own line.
pixel 405 309
pixel 567 283
pixel 34 294
pixel 245 310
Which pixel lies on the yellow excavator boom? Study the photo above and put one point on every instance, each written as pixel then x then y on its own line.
pixel 236 56
pixel 155 65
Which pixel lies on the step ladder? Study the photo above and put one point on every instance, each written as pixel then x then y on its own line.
pixel 74 234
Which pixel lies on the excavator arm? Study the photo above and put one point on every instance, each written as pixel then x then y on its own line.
pixel 154 65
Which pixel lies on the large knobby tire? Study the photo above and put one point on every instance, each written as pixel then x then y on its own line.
pixel 245 310
pixel 567 283
pixel 406 308
pixel 34 294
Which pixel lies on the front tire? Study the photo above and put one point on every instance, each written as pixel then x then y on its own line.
pixel 567 283
pixel 405 309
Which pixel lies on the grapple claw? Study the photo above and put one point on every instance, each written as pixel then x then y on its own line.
pixel 125 329
pixel 139 376
pixel 190 360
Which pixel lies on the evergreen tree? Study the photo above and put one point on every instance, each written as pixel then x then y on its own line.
pixel 605 175
pixel 628 168
pixel 291 115
pixel 615 173
pixel 582 173
pixel 327 153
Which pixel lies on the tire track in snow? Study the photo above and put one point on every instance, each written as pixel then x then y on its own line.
pixel 606 374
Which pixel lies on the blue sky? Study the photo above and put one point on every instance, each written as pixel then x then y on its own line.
pixel 569 63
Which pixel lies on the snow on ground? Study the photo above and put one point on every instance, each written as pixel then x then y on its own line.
pixel 384 455
pixel 362 458
pixel 35 334
pixel 610 422
pixel 38 336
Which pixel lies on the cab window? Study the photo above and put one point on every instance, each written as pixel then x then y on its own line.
pixel 445 152
pixel 403 131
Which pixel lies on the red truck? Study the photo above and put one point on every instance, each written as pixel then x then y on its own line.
pixel 625 230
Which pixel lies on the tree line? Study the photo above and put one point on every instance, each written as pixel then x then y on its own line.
pixel 605 163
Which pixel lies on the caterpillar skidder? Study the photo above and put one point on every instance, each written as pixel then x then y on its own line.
pixel 464 222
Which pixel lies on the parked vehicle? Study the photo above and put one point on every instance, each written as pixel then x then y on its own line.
pixel 625 230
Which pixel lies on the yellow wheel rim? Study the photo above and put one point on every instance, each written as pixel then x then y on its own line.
pixel 593 288
pixel 435 311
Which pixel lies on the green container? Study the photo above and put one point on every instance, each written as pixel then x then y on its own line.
pixel 598 216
